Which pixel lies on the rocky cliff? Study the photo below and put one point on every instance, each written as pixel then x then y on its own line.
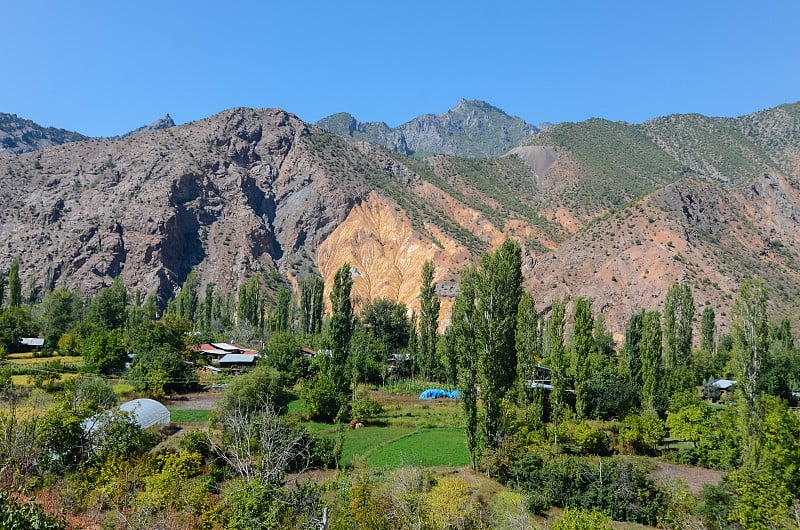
pixel 612 211
pixel 470 129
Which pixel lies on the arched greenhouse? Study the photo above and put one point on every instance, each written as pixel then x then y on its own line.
pixel 147 412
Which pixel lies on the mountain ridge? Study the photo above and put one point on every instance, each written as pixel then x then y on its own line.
pixel 603 209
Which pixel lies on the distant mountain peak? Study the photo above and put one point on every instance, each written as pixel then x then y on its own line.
pixel 161 123
pixel 472 128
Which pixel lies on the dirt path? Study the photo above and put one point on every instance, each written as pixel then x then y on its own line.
pixel 195 401
pixel 694 477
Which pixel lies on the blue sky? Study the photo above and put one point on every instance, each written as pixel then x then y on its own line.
pixel 103 68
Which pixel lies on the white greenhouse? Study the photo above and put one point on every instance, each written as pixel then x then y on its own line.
pixel 147 412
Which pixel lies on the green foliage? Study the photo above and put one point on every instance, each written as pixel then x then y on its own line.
pixel 529 345
pixel 161 370
pixel 15 323
pixel 107 310
pixel 650 353
pixel 117 434
pixel 104 352
pixel 250 391
pixel 642 433
pixel 323 397
pixel 577 519
pixel 708 328
pixel 365 408
pixel 559 364
pixel 619 489
pixel 688 417
pixel 59 314
pixel 465 328
pixel 283 354
pixel 340 325
pixel 281 317
pixel 251 303
pixel 312 288
pixel 26 516
pixel 591 439
pixel 14 285
pixel 677 331
pixel 582 346
pixel 428 321
pixel 609 395
pixel 750 333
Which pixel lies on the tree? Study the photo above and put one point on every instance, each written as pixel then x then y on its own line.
pixel 340 326
pixel 464 324
pixel 499 289
pixel 283 354
pixel 708 328
pixel 559 363
pixel 186 302
pixel 311 295
pixel 107 310
pixel 250 302
pixel 750 331
pixel 577 519
pixel 582 346
pixel 650 351
pixel 281 318
pixel 529 345
pixel 161 370
pixel 104 352
pixel 15 323
pixel 677 330
pixel 428 321
pixel 59 314
pixel 688 417
pixel 14 285
pixel 630 354
pixel 386 320
pixel 3 282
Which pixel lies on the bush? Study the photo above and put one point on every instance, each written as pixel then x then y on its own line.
pixel 15 515
pixel 592 440
pixel 365 408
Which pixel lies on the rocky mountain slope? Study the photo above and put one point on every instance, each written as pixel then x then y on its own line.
pixel 470 129
pixel 18 135
pixel 613 211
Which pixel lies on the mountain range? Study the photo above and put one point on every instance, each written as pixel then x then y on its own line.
pixel 608 210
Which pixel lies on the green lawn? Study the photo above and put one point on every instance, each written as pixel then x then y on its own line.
pixel 189 415
pixel 428 447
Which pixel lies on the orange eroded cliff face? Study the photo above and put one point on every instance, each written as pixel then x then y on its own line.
pixel 385 253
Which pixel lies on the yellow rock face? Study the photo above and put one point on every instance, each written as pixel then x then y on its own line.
pixel 385 253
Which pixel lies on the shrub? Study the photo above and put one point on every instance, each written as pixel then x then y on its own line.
pixel 365 408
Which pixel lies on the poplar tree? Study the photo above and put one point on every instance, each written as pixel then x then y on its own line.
pixel 14 285
pixel 630 354
pixel 282 316
pixel 3 281
pixel 559 364
pixel 678 316
pixel 341 326
pixel 312 288
pixel 650 351
pixel 428 320
pixel 208 307
pixel 708 329
pixel 751 343
pixel 465 332
pixel 529 345
pixel 186 301
pixel 582 346
pixel 499 289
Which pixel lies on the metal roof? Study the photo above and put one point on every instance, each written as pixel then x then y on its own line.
pixel 225 346
pixel 238 358
pixel 31 341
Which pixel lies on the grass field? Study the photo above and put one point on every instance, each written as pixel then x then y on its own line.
pixel 409 432
pixel 189 415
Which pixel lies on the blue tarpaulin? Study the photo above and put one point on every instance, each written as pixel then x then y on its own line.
pixel 435 393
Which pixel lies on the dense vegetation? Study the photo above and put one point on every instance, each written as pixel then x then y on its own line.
pixel 559 418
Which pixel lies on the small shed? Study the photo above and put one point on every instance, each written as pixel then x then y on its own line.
pixel 238 360
pixel 34 342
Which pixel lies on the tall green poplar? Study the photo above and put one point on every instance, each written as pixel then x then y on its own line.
pixel 582 346
pixel 464 323
pixel 428 321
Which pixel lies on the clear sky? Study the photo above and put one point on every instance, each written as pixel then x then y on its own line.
pixel 105 67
